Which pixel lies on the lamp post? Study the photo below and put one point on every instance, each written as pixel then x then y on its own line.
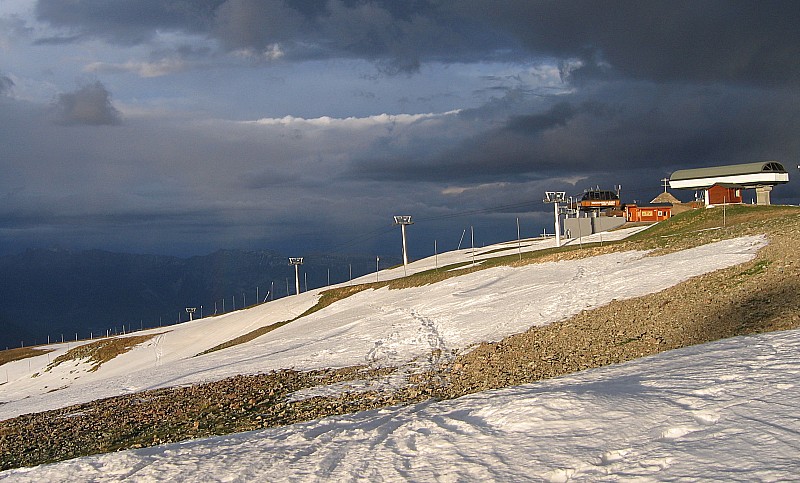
pixel 404 220
pixel 296 262
pixel 556 197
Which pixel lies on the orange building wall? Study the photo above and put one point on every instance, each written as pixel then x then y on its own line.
pixel 635 213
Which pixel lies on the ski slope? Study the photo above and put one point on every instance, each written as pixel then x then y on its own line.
pixel 724 411
pixel 379 327
pixel 671 416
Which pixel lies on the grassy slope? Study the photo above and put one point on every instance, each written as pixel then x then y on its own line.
pixel 102 351
pixel 11 355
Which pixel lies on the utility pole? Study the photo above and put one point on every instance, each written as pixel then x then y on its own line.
pixel 472 239
pixel 296 262
pixel 556 197
pixel 404 220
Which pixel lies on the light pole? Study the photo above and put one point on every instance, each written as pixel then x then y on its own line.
pixel 556 197
pixel 296 262
pixel 404 220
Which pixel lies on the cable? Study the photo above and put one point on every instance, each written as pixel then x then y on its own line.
pixel 386 229
pixel 480 211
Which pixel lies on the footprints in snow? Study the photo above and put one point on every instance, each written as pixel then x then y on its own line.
pixel 428 338
pixel 158 349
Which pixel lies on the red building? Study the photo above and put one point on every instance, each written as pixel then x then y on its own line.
pixel 720 194
pixel 634 213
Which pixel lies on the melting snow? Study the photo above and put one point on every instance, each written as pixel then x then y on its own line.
pixel 724 411
pixel 696 413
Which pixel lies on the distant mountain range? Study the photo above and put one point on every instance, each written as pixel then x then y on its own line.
pixel 61 293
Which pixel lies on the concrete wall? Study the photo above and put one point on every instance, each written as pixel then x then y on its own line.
pixel 578 227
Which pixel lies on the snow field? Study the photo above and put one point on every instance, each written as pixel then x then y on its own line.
pixel 379 327
pixel 723 411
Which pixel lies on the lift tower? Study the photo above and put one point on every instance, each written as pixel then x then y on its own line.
pixel 404 220
pixel 556 197
pixel 296 262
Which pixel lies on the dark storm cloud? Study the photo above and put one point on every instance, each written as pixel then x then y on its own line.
pixel 636 126
pixel 397 36
pixel 5 85
pixel 178 187
pixel 59 40
pixel 126 21
pixel 709 41
pixel 90 105
pixel 648 87
pixel 558 115
pixel 14 28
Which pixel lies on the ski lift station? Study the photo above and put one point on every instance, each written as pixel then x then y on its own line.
pixel 723 184
pixel 599 210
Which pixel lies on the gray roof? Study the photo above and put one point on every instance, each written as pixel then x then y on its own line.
pixel 730 170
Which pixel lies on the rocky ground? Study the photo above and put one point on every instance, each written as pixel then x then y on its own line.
pixel 762 295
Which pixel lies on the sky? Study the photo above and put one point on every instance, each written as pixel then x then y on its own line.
pixel 180 127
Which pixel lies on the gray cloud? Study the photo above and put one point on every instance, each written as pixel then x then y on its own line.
pixel 557 115
pixel 6 84
pixel 89 105
pixel 649 87
pixel 177 187
pixel 255 24
pixel 13 29
pixel 711 41
pixel 126 21
pixel 397 36
pixel 636 126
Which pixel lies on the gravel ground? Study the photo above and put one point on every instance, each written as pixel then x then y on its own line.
pixel 762 295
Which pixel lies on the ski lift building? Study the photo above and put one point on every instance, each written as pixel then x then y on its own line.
pixel 724 183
